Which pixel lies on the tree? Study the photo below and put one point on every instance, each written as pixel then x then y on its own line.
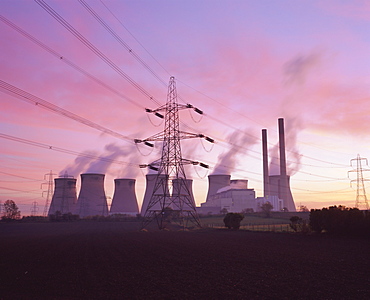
pixel 223 211
pixel 340 220
pixel 303 208
pixel 232 220
pixel 11 211
pixel 266 209
pixel 294 222
pixel 248 211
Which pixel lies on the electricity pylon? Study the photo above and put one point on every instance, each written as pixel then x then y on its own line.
pixel 180 204
pixel 49 192
pixel 34 209
pixel 361 198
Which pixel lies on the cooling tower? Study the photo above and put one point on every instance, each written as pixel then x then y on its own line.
pixel 266 191
pixel 180 189
pixel 216 182
pixel 150 183
pixel 65 196
pixel 124 198
pixel 92 200
pixel 277 187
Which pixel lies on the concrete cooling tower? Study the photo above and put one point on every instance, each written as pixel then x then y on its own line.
pixel 181 188
pixel 280 187
pixel 92 200
pixel 216 182
pixel 124 198
pixel 150 183
pixel 65 196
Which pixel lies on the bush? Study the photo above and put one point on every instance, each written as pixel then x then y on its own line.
pixel 299 225
pixel 266 209
pixel 232 220
pixel 340 220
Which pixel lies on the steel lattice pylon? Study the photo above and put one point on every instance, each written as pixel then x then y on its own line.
pixel 361 198
pixel 49 194
pixel 180 205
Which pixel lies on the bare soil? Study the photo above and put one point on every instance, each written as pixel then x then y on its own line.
pixel 114 260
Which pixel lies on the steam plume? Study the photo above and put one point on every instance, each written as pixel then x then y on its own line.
pixel 227 160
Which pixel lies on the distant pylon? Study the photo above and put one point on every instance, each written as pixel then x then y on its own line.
pixel 49 192
pixel 171 166
pixel 361 199
pixel 34 209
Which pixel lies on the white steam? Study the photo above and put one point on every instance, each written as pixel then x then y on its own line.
pixel 227 161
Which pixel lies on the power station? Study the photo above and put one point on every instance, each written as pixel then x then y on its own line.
pixel 234 195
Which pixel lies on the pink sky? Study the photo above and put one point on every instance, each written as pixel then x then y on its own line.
pixel 244 63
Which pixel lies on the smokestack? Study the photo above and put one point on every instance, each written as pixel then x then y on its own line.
pixel 284 191
pixel 150 183
pixel 282 148
pixel 216 182
pixel 92 200
pixel 124 198
pixel 266 188
pixel 181 188
pixel 64 197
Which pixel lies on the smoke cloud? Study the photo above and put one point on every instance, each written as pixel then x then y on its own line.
pixel 297 70
pixel 92 162
pixel 80 164
pixel 296 73
pixel 228 160
pixel 293 156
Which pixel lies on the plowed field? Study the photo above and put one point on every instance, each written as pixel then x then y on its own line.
pixel 113 260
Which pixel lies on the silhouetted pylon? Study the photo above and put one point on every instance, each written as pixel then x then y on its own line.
pixel 361 199
pixel 179 205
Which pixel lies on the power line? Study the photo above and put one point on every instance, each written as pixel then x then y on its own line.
pixel 62 58
pixel 135 38
pixel 65 60
pixel 121 41
pixel 62 150
pixel 23 177
pixel 27 97
pixel 95 50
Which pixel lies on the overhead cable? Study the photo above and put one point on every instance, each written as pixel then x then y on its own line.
pixel 121 41
pixel 67 61
pixel 94 49
pixel 63 150
pixel 23 95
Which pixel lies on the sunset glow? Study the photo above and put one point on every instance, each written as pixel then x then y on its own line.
pixel 243 63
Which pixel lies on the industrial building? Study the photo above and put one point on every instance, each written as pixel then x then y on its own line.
pixel 235 196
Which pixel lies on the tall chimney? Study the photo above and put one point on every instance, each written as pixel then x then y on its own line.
pixel 284 182
pixel 182 188
pixel 150 183
pixel 216 182
pixel 124 199
pixel 282 148
pixel 92 200
pixel 266 184
pixel 64 197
